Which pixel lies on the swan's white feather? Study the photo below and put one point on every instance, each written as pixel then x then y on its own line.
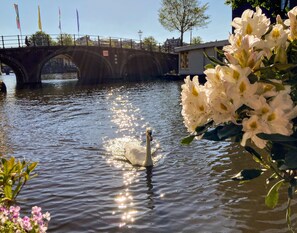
pixel 135 153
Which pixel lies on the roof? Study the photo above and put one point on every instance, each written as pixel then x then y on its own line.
pixel 219 43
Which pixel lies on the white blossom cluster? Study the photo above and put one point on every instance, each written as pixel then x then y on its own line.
pixel 268 105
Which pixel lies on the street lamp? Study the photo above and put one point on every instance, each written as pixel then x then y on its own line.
pixel 140 34
pixel 191 29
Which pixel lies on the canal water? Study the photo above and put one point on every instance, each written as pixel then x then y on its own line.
pixel 77 135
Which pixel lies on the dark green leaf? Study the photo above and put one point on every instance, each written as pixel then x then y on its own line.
pixel 278 151
pixel 202 129
pixel 283 67
pixel 229 130
pixel 248 174
pixel 212 135
pixel 253 78
pixel 254 153
pixel 215 60
pixel 187 140
pixel 277 137
pixel 292 188
pixel 271 198
pixel 290 161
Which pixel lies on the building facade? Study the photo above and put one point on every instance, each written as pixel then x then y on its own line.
pixel 192 58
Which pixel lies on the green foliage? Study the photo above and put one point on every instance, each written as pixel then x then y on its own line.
pixel 196 40
pixel 40 38
pixel 65 39
pixel 182 15
pixel 274 6
pixel 271 198
pixel 247 174
pixel 150 43
pixel 14 175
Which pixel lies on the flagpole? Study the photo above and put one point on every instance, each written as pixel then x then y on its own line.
pixel 60 26
pixel 39 19
pixel 77 19
pixel 18 21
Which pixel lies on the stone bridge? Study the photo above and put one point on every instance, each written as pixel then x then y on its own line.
pixel 95 64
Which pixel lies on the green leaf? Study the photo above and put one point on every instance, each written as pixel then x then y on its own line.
pixel 278 86
pixel 254 153
pixel 283 67
pixel 247 174
pixel 276 137
pixel 278 151
pixel 229 130
pixel 291 191
pixel 187 140
pixel 8 191
pixel 272 196
pixel 32 166
pixel 209 66
pixel 212 135
pixel 214 60
pixel 202 129
pixel 17 190
pixel 288 215
pixel 252 78
pixel 290 161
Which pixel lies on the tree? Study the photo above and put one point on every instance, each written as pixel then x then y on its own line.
pixel 275 7
pixel 41 39
pixel 150 42
pixel 196 40
pixel 65 39
pixel 182 15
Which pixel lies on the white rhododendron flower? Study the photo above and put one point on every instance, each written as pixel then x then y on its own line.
pixel 194 101
pixel 251 127
pixel 277 37
pixel 243 51
pixel 292 23
pixel 251 23
pixel 242 92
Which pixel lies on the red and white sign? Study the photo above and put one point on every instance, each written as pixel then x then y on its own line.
pixel 105 53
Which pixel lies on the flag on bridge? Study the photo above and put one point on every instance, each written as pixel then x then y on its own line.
pixel 77 19
pixel 39 20
pixel 60 26
pixel 17 16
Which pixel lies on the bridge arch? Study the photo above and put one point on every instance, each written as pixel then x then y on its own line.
pixel 17 67
pixel 141 66
pixel 93 67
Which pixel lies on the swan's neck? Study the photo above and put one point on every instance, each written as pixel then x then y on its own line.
pixel 148 158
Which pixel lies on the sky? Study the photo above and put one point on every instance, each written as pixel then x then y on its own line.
pixel 107 18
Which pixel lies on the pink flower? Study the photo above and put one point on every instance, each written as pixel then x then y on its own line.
pixel 26 223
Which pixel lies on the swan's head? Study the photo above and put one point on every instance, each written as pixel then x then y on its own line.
pixel 149 134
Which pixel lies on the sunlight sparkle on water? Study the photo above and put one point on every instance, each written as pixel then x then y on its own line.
pixel 125 204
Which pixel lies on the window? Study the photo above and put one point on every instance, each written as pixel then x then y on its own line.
pixel 184 61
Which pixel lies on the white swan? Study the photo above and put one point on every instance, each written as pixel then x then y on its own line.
pixel 140 155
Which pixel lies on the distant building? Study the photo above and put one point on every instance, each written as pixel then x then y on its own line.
pixel 170 44
pixel 192 58
pixel 85 40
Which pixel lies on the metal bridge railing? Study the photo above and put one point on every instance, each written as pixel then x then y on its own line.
pixel 19 41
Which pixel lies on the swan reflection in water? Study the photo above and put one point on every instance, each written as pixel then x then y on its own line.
pixel 136 184
pixel 135 178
